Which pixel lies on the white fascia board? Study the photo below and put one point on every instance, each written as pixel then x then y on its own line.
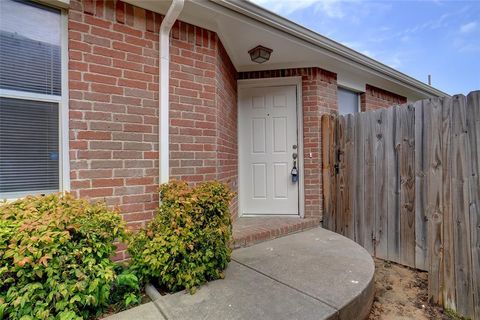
pixel 62 4
pixel 264 16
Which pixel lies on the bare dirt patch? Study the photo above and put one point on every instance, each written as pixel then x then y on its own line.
pixel 401 293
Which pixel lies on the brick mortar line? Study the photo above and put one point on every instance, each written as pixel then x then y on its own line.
pixel 287 285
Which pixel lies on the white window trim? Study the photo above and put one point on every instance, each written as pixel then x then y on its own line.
pixel 63 112
pixel 24 95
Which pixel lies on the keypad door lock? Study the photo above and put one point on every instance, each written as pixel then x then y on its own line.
pixel 294 172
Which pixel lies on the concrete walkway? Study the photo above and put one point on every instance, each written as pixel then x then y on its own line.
pixel 314 274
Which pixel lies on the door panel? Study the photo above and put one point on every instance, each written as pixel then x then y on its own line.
pixel 267 135
pixel 259 180
pixel 280 175
pixel 259 145
pixel 280 134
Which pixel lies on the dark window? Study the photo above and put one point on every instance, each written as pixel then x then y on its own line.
pixel 347 101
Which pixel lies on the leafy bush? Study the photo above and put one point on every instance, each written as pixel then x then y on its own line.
pixel 187 243
pixel 55 259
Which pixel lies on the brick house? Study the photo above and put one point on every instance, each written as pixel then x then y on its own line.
pixel 80 101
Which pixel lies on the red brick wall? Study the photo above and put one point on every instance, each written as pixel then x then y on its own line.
pixel 193 104
pixel 113 83
pixel 319 96
pixel 375 98
pixel 203 118
pixel 113 86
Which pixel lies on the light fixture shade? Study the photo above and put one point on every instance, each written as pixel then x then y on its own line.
pixel 260 54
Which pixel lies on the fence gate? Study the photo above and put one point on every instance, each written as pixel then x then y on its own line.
pixel 404 183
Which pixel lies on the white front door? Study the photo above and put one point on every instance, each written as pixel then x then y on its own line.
pixel 268 140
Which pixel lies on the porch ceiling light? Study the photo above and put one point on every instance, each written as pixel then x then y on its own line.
pixel 260 54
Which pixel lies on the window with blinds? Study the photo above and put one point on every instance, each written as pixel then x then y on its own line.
pixel 28 146
pixel 30 96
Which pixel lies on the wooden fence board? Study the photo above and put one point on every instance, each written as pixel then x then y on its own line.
pixel 473 128
pixel 350 176
pixel 381 223
pixel 336 210
pixel 407 186
pixel 369 215
pixel 420 190
pixel 333 161
pixel 433 183
pixel 460 206
pixel 329 198
pixel 327 168
pixel 359 187
pixel 448 221
pixel 340 221
pixel 393 224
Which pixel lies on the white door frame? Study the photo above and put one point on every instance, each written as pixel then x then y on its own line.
pixel 275 82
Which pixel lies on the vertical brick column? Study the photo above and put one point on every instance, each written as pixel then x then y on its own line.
pixel 193 109
pixel 319 97
pixel 203 108
pixel 227 140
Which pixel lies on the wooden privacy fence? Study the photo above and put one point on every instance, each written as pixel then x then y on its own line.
pixel 404 183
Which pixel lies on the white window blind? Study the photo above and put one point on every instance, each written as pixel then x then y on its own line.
pixel 29 153
pixel 30 48
pixel 30 96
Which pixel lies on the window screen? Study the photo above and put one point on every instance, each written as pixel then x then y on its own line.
pixel 29 48
pixel 347 101
pixel 29 152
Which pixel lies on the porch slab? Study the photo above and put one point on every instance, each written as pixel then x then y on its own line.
pixel 244 294
pixel 248 231
pixel 318 263
pixel 316 274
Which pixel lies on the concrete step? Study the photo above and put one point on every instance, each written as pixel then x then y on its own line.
pixel 248 231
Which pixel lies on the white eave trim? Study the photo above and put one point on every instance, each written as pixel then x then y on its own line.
pixel 63 4
pixel 264 16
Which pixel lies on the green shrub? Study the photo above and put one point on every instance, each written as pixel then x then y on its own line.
pixel 187 243
pixel 55 259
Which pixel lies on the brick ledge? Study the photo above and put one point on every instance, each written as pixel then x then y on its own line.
pixel 253 230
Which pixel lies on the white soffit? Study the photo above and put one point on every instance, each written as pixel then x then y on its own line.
pixel 64 4
pixel 239 33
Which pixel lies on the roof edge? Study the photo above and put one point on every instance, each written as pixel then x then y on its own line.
pixel 278 22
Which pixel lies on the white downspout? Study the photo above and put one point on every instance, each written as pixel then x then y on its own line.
pixel 163 89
